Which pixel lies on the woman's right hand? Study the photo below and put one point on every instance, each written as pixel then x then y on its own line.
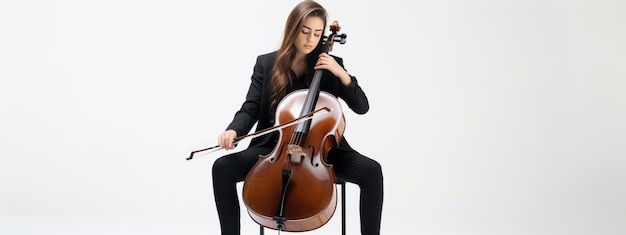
pixel 225 140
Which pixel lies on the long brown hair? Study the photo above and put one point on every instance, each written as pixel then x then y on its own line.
pixel 281 74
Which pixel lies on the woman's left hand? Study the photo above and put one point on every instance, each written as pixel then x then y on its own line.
pixel 329 63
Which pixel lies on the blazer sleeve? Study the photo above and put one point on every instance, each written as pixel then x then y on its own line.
pixel 354 96
pixel 248 114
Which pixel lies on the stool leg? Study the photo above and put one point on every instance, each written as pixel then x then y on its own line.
pixel 262 230
pixel 343 208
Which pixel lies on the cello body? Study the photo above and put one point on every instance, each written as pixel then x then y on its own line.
pixel 308 200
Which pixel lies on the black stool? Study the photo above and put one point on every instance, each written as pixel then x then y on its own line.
pixel 342 184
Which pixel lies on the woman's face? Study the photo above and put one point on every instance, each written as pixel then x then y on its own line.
pixel 310 34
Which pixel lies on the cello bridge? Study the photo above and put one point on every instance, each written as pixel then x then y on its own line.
pixel 295 153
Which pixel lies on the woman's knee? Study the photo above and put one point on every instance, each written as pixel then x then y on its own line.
pixel 221 166
pixel 370 173
pixel 374 169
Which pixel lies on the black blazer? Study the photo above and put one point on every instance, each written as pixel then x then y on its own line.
pixel 256 107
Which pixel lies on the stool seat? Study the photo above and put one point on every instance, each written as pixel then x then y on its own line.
pixel 342 184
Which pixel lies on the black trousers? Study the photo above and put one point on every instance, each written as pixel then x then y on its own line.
pixel 349 166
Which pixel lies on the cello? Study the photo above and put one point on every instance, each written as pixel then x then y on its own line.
pixel 293 188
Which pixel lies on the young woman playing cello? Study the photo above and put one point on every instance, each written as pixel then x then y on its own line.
pixel 275 75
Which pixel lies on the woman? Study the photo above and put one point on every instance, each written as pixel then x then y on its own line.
pixel 275 75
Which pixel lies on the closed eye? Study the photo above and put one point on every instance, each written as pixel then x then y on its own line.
pixel 307 30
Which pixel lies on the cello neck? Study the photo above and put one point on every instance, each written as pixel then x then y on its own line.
pixel 310 102
pixel 314 89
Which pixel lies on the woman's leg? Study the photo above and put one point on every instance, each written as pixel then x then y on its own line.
pixel 365 172
pixel 227 172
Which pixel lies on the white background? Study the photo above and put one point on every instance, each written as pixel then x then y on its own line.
pixel 489 117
